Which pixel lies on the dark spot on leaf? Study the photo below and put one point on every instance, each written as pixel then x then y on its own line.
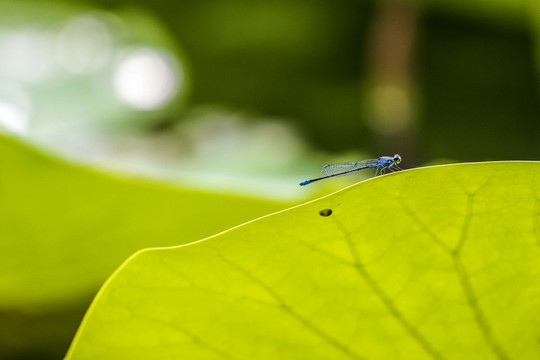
pixel 325 212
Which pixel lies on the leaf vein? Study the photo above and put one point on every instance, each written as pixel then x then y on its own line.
pixel 423 226
pixel 465 227
pixel 468 289
pixel 385 299
pixel 196 339
pixel 287 309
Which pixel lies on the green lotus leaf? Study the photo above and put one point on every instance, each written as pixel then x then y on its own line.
pixel 431 263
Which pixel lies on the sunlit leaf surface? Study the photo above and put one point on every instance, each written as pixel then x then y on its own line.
pixel 432 263
pixel 64 229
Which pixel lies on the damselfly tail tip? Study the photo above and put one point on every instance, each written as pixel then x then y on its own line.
pixel 305 182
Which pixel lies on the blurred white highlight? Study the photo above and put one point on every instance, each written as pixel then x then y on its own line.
pixel 84 44
pixel 15 108
pixel 26 55
pixel 13 118
pixel 146 78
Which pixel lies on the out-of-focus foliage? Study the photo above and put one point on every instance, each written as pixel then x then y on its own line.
pixel 108 87
pixel 79 80
pixel 379 270
pixel 473 70
pixel 512 12
pixel 65 228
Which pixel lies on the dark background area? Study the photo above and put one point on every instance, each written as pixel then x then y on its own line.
pixel 309 61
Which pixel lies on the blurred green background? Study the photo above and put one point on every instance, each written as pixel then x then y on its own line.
pixel 242 99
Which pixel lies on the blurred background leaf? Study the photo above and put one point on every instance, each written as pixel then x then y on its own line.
pixel 244 99
pixel 64 229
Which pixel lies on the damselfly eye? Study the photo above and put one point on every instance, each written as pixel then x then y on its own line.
pixel 397 159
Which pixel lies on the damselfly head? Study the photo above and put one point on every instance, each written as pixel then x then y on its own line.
pixel 397 159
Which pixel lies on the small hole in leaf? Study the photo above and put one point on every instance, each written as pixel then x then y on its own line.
pixel 325 212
